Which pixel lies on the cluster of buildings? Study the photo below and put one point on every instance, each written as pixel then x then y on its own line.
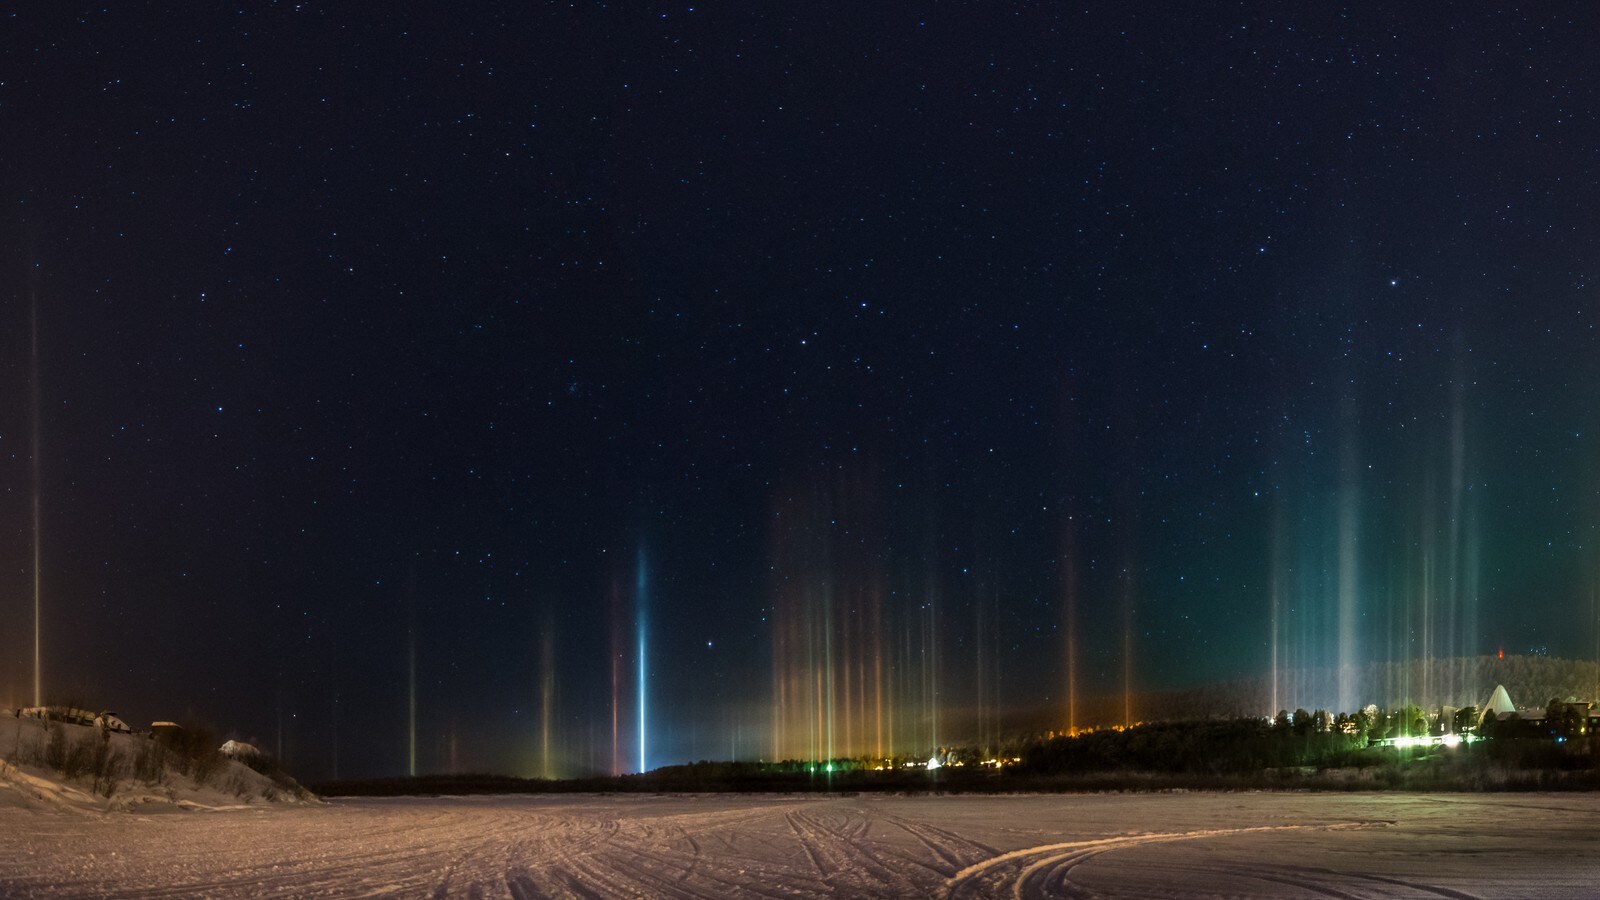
pixel 1562 718
pixel 112 722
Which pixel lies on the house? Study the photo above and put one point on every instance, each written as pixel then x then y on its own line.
pixel 165 731
pixel 110 721
pixel 241 750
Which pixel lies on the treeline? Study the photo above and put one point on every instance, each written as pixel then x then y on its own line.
pixel 700 777
pixel 1213 747
pixel 1315 751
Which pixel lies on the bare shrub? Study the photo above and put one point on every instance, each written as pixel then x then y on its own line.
pixel 150 763
pixel 194 752
pixel 30 753
pixel 105 763
pixel 89 756
pixel 282 783
pixel 72 758
pixel 50 748
pixel 204 766
pixel 16 750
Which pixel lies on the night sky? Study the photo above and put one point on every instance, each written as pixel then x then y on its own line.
pixel 833 378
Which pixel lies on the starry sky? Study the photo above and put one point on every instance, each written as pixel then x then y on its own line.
pixel 596 385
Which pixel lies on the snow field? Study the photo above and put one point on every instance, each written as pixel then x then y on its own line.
pixel 1243 845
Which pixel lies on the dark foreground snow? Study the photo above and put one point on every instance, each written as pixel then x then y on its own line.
pixel 1146 845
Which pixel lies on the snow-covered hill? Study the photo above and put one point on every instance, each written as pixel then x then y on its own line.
pixel 56 766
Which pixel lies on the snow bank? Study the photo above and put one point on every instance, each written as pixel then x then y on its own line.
pixel 133 773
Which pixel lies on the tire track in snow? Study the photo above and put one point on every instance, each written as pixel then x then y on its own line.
pixel 1050 876
pixel 839 851
pixel 808 846
pixel 404 855
pixel 423 853
pixel 1029 869
pixel 281 873
pixel 738 869
pixel 547 854
pixel 951 851
pixel 1310 872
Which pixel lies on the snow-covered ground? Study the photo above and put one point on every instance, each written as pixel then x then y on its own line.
pixel 1147 845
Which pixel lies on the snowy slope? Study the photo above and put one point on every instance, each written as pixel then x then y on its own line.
pixel 26 783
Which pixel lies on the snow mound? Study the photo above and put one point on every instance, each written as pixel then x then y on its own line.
pixel 68 768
